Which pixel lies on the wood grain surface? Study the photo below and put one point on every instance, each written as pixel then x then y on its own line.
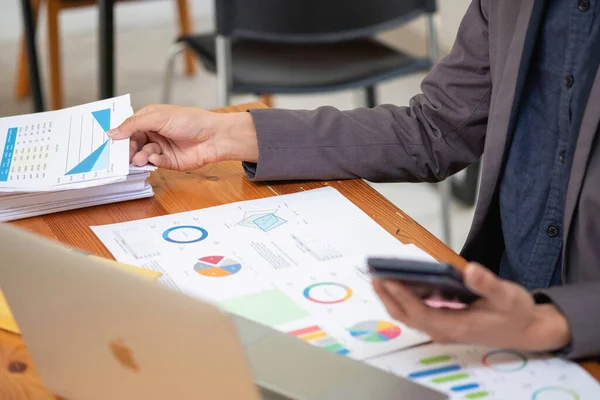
pixel 175 192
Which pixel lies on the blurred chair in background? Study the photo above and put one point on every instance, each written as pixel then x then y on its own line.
pixel 465 185
pixel 54 7
pixel 269 47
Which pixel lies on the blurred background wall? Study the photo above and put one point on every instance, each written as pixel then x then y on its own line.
pixel 162 12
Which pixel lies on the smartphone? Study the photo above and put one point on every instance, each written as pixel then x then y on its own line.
pixel 439 285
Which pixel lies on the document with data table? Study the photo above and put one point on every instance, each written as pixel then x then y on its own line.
pixel 296 263
pixel 44 151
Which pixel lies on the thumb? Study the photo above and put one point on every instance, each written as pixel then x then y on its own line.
pixel 140 122
pixel 485 283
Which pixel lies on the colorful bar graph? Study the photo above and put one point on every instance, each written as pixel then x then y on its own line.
pixel 320 338
pixel 449 377
pixel 434 371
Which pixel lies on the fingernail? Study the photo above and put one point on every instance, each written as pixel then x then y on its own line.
pixel 470 269
pixel 473 274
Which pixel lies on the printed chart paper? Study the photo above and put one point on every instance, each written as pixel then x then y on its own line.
pixel 295 263
pixel 64 147
pixel 474 372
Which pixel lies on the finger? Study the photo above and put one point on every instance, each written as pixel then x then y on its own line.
pixel 393 308
pixel 443 325
pixel 141 122
pixel 141 158
pixel 162 161
pixel 485 283
pixel 416 311
pixel 136 142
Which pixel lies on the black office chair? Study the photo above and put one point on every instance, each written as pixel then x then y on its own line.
pixel 305 46
pixel 309 46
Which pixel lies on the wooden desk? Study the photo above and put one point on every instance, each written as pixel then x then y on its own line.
pixel 176 192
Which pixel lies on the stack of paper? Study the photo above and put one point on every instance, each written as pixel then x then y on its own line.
pixel 63 160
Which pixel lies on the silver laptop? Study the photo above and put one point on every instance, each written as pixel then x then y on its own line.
pixel 99 333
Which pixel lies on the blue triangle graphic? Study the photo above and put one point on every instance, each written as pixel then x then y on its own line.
pixel 103 118
pixel 88 163
pixel 103 161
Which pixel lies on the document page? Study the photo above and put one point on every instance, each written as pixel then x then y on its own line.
pixel 48 150
pixel 475 372
pixel 295 263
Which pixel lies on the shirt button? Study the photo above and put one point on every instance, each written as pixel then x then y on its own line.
pixel 562 156
pixel 552 230
pixel 569 81
pixel 584 5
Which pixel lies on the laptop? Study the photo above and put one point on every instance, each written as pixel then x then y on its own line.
pixel 97 333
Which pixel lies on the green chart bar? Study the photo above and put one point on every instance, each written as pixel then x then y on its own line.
pixel 450 378
pixel 476 395
pixel 435 360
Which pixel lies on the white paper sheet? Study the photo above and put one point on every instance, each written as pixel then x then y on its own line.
pixel 473 372
pixel 64 147
pixel 68 205
pixel 262 259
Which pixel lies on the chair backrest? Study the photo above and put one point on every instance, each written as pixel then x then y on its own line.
pixel 314 20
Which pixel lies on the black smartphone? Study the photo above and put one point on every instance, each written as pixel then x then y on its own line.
pixel 439 285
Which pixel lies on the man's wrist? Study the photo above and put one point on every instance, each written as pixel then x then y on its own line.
pixel 236 138
pixel 551 330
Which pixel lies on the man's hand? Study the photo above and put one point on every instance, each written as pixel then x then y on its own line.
pixel 185 138
pixel 505 316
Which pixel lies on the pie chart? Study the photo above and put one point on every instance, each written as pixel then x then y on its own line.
pixel 217 266
pixel 375 331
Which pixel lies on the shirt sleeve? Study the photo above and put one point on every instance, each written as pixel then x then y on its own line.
pixel 440 132
pixel 580 303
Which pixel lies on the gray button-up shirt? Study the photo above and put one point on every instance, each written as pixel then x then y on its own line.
pixel 535 179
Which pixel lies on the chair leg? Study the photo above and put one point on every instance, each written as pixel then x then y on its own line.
pixel 370 97
pixel 56 101
pixel 22 88
pixel 433 42
pixel 267 100
pixel 185 28
pixel 175 50
pixel 446 204
pixel 224 70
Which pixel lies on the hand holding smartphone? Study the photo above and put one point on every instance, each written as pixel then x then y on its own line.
pixel 438 285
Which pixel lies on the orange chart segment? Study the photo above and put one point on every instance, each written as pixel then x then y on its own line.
pixel 384 325
pixel 217 266
pixel 213 272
